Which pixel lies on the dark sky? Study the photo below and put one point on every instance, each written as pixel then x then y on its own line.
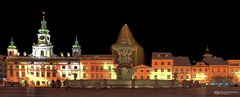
pixel 183 28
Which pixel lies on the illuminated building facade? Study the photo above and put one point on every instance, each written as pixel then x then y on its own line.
pixel 98 67
pixel 142 72
pixel 162 66
pixel 234 70
pixel 2 67
pixel 42 66
pixel 181 68
pixel 200 72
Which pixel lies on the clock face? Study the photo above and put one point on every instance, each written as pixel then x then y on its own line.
pixel 42 37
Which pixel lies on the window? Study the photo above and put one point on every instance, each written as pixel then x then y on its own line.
pixel 162 69
pixel 37 74
pixel 212 70
pixel 168 69
pixel 205 69
pixel 141 70
pixel 162 63
pixel 63 67
pixel 92 68
pixel 181 69
pixel 43 82
pixel 147 70
pixel 148 77
pixel 48 74
pixel 23 66
pixel 109 67
pixel 155 70
pixel 84 68
pixel 194 70
pixel 156 63
pixel 200 69
pixel 187 77
pixel 169 63
pixel 43 74
pixel 141 76
pixel 168 77
pixel 17 74
pixel 84 75
pixel 194 76
pixel 54 73
pixel 96 68
pixel 11 72
pixel 155 76
pixel 224 70
pixel 181 77
pixel 218 69
pixel 176 70
pixel 101 68
pixel 16 66
pixel 42 53
pixel 63 75
pixel 32 73
pixel 135 77
pixel 187 69
pixel 75 67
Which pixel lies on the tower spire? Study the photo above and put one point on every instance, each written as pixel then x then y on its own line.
pixel 207 53
pixel 76 45
pixel 207 49
pixel 43 28
pixel 12 46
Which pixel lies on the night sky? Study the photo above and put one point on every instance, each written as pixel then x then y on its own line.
pixel 181 28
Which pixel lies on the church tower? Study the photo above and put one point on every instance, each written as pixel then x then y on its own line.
pixel 44 47
pixel 12 49
pixel 76 48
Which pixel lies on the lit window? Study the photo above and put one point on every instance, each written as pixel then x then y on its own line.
pixel 84 75
pixel 109 67
pixel 200 69
pixel 168 77
pixel 84 68
pixel 169 63
pixel 187 77
pixel 162 70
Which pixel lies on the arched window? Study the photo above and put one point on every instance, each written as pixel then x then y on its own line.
pixel 42 53
pixel 10 53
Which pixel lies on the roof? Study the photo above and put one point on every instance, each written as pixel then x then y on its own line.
pixel 214 61
pixel 161 55
pixel 142 66
pixel 181 61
